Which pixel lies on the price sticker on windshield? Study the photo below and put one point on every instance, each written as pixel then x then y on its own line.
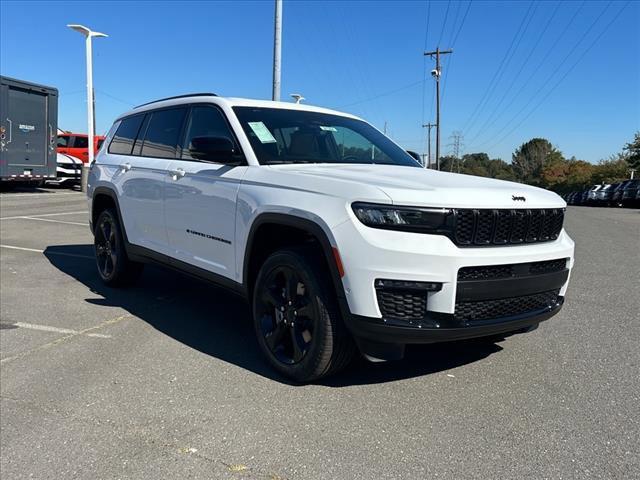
pixel 262 132
pixel 328 129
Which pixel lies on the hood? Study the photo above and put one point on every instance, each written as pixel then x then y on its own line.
pixel 422 187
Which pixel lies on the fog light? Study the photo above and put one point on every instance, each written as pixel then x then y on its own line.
pixel 408 285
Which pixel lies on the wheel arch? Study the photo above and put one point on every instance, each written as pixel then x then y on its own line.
pixel 104 197
pixel 264 224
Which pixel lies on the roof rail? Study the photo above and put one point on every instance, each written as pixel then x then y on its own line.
pixel 178 96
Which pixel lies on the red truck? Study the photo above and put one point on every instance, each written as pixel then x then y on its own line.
pixel 77 145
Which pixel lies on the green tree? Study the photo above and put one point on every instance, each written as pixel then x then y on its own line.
pixel 632 151
pixel 612 170
pixel 530 159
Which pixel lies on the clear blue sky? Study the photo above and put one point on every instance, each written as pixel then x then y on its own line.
pixel 570 71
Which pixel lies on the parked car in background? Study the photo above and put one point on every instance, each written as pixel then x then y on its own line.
pixel 77 145
pixel 592 195
pixel 629 194
pixel 68 170
pixel 603 195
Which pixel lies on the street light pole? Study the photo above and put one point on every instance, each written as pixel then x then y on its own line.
pixel 277 51
pixel 89 34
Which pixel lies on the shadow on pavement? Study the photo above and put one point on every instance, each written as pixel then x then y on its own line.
pixel 218 323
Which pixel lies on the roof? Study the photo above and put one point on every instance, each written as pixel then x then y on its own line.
pixel 230 102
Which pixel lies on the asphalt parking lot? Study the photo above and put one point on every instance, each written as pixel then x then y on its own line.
pixel 164 380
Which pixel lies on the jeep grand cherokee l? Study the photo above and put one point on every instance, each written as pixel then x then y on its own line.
pixel 337 237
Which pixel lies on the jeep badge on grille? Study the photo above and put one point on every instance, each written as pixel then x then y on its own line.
pixel 516 198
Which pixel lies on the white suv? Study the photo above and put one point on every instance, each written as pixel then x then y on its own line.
pixel 339 238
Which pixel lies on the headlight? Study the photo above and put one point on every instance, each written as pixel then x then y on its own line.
pixel 410 219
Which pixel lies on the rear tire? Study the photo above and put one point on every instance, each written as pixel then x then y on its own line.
pixel 296 317
pixel 114 266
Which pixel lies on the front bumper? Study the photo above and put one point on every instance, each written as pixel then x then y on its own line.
pixel 368 254
pixel 382 331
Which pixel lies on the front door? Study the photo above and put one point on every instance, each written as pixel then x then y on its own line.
pixel 200 199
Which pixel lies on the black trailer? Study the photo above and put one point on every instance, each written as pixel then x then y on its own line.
pixel 28 131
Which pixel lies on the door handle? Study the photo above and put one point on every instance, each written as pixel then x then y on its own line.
pixel 177 174
pixel 10 131
pixel 125 167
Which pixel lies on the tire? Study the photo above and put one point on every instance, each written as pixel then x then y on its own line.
pixel 114 267
pixel 296 317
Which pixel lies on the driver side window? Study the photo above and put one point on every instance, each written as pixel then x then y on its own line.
pixel 204 121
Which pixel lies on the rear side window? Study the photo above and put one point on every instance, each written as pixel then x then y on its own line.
pixel 63 141
pixel 161 138
pixel 80 142
pixel 125 136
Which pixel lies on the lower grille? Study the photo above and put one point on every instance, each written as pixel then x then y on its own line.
pixel 402 304
pixel 490 272
pixel 505 307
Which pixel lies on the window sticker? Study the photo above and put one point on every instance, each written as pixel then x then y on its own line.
pixel 328 129
pixel 262 132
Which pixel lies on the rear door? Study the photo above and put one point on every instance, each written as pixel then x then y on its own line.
pixel 143 147
pixel 79 147
pixel 200 199
pixel 26 148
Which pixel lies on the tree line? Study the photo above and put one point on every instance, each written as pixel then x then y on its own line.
pixel 537 162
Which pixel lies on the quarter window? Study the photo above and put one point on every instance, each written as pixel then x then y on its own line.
pixel 161 138
pixel 125 136
pixel 204 122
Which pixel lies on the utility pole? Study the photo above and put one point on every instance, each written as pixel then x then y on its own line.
pixel 277 51
pixel 428 126
pixel 436 73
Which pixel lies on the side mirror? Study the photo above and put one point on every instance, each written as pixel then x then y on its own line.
pixel 415 155
pixel 213 149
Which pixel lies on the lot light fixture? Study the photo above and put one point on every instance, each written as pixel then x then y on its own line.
pixel 89 34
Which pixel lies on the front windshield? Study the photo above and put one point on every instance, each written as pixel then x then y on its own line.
pixel 280 136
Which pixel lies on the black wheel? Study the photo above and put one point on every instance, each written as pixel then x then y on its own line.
pixel 114 267
pixel 296 317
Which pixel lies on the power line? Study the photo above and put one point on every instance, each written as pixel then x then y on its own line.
pixel 383 94
pixel 560 65
pixel 509 56
pixel 126 102
pixel 446 15
pixel 595 40
pixel 495 75
pixel 464 17
pixel 517 75
pixel 455 21
pixel 538 67
pixel 453 44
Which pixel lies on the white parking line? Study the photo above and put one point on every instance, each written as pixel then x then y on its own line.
pixel 38 195
pixel 36 250
pixel 53 221
pixel 47 328
pixel 46 215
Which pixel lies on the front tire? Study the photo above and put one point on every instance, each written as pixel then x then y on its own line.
pixel 296 317
pixel 114 267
